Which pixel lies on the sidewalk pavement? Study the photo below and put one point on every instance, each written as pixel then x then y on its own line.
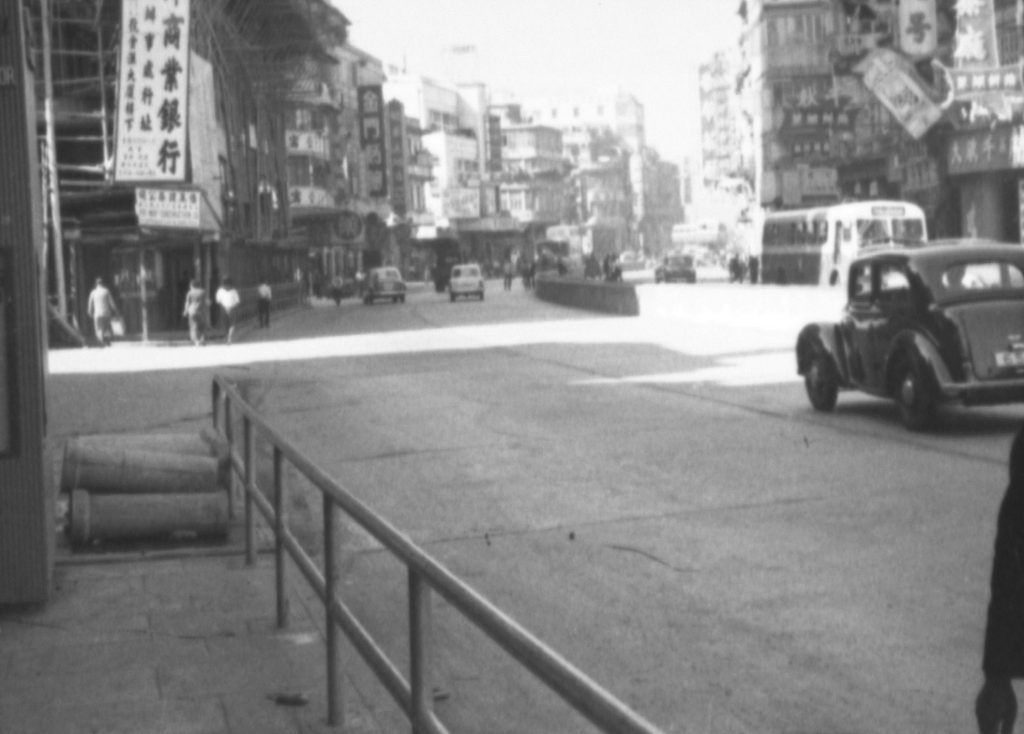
pixel 184 645
pixel 172 640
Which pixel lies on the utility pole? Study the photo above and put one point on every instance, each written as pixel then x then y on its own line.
pixel 27 533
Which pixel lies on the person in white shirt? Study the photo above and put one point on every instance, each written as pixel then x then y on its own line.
pixel 102 308
pixel 263 304
pixel 228 299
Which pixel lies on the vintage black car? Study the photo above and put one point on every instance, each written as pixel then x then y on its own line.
pixel 940 323
pixel 676 269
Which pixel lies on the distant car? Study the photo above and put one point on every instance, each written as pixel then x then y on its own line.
pixel 925 326
pixel 466 280
pixel 384 284
pixel 676 269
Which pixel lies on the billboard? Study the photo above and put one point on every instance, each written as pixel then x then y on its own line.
pixel 371 138
pixel 152 103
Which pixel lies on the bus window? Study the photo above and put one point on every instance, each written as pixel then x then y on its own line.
pixel 872 232
pixel 908 230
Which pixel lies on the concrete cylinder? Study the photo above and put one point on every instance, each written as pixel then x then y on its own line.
pixel 136 516
pixel 137 471
pixel 206 442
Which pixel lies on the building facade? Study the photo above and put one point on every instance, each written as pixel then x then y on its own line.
pixel 165 158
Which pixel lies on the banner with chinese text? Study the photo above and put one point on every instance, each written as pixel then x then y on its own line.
pixel 892 79
pixel 371 138
pixel 168 208
pixel 152 104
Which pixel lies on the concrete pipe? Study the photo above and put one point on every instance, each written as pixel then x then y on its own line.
pixel 137 471
pixel 136 516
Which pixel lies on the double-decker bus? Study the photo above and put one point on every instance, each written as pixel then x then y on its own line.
pixel 815 246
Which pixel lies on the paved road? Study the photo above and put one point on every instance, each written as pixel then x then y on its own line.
pixel 652 496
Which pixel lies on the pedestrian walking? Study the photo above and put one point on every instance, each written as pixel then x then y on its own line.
pixel 102 309
pixel 337 289
pixel 1003 656
pixel 197 312
pixel 263 303
pixel 507 268
pixel 228 300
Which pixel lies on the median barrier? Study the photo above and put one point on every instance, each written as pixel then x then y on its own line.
pixel 592 295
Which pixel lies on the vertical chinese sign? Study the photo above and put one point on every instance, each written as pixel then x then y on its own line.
pixel 371 138
pixel 396 153
pixel 978 76
pixel 152 106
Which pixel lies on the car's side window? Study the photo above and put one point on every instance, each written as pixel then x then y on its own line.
pixel 893 284
pixel 860 283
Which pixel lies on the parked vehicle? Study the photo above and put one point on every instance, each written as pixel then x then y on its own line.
pixel 384 283
pixel 676 269
pixel 466 280
pixel 816 246
pixel 941 323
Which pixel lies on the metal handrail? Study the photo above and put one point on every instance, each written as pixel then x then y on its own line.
pixel 425 575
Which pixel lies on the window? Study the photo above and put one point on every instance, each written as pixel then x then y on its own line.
pixel 860 283
pixel 893 284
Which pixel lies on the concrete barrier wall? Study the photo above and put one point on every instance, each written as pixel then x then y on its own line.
pixel 592 295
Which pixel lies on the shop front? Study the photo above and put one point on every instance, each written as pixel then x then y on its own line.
pixel 986 168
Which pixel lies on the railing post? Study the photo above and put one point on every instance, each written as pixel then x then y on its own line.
pixel 216 404
pixel 250 516
pixel 229 435
pixel 419 653
pixel 279 526
pixel 335 708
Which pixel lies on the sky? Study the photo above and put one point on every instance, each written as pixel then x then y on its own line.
pixel 651 48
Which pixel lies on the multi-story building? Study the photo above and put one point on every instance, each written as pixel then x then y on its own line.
pixel 923 103
pixel 597 127
pixel 789 96
pixel 166 164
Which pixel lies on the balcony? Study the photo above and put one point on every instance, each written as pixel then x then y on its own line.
pixel 307 143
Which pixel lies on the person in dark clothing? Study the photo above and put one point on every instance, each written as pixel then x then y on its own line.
pixel 1003 658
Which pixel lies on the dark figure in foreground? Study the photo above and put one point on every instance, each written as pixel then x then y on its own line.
pixel 996 705
pixel 263 304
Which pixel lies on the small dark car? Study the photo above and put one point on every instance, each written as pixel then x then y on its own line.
pixel 384 283
pixel 676 269
pixel 925 326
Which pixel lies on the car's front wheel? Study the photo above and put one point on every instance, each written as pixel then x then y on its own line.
pixel 821 383
pixel 451 296
pixel 914 397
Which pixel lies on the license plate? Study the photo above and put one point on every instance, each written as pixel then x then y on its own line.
pixel 1010 359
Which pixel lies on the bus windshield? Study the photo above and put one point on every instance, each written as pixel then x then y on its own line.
pixel 886 231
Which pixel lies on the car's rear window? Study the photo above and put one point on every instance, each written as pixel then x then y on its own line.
pixel 390 274
pixel 982 276
pixel 681 261
pixel 466 271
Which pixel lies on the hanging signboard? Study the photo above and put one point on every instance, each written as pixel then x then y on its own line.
pixel 892 79
pixel 998 148
pixel 396 153
pixel 168 208
pixel 152 104
pixel 918 28
pixel 977 76
pixel 371 138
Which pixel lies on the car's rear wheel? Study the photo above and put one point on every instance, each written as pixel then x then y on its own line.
pixel 914 397
pixel 401 299
pixel 481 295
pixel 821 383
pixel 452 296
